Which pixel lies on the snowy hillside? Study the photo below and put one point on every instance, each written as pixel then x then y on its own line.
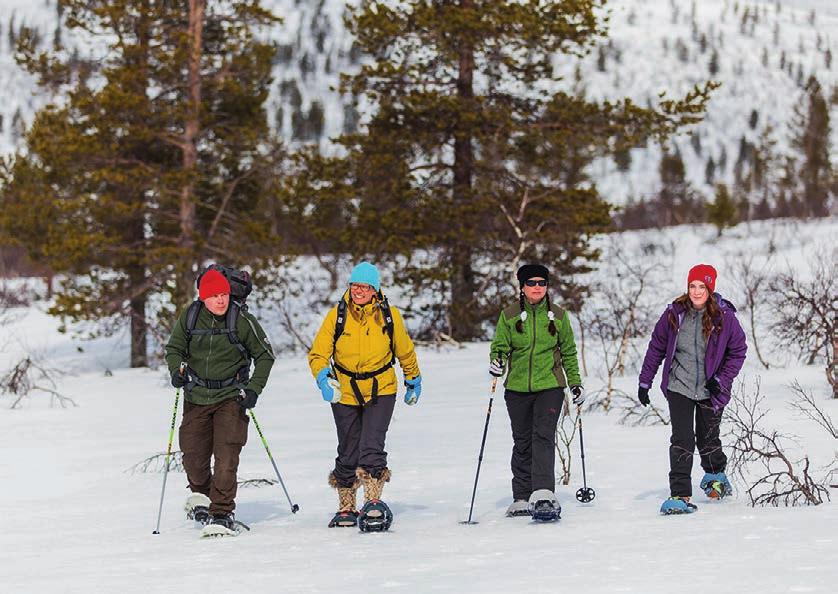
pixel 77 521
pixel 653 45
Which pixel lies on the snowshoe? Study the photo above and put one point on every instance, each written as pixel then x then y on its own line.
pixel 375 517
pixel 223 525
pixel 344 519
pixel 678 505
pixel 544 507
pixel 519 507
pixel 716 485
pixel 197 507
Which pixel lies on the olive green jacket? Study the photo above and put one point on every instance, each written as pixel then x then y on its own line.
pixel 214 357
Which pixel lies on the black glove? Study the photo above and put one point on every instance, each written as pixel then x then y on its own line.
pixel 496 367
pixel 179 379
pixel 578 395
pixel 248 398
pixel 713 386
pixel 643 395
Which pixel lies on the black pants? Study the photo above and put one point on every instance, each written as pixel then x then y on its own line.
pixel 361 435
pixel 693 423
pixel 534 416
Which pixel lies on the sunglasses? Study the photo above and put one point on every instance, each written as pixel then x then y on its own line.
pixel 361 287
pixel 533 283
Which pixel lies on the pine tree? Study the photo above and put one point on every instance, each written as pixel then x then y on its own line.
pixel 714 62
pixel 153 167
pixel 465 138
pixel 722 211
pixel 811 138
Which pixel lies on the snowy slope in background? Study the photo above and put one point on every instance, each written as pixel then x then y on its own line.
pixel 315 48
pixel 76 521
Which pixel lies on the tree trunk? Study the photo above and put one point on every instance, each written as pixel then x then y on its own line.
pixel 191 129
pixel 139 331
pixel 463 312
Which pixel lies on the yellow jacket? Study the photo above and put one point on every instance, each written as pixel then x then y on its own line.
pixel 364 346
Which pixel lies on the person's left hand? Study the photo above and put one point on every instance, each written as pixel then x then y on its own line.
pixel 247 398
pixel 713 386
pixel 578 395
pixel 414 390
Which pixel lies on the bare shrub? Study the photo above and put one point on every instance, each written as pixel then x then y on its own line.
pixel 752 283
pixel 634 414
pixel 807 311
pixel 566 431
pixel 27 377
pixel 761 460
pixel 157 463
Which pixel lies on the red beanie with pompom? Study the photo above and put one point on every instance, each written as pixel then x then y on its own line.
pixel 212 283
pixel 703 273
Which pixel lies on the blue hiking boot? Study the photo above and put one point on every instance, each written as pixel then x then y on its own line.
pixel 678 505
pixel 716 485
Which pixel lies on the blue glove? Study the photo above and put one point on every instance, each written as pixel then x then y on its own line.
pixel 414 390
pixel 327 385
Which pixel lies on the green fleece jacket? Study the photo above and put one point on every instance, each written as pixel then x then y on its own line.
pixel 535 359
pixel 214 357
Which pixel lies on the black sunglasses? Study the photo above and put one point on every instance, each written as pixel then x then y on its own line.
pixel 532 283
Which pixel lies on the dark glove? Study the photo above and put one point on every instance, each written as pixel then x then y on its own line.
pixel 247 398
pixel 643 395
pixel 578 395
pixel 496 367
pixel 179 378
pixel 713 386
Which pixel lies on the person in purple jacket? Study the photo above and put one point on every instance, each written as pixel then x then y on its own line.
pixel 702 347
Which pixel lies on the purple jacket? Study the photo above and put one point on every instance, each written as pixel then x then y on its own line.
pixel 723 359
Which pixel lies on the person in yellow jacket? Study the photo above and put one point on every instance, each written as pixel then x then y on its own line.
pixel 353 360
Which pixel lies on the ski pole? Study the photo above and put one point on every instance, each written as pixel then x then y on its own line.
pixel 168 453
pixel 482 446
pixel 294 507
pixel 586 494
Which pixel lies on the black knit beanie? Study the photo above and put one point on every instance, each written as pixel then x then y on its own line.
pixel 528 271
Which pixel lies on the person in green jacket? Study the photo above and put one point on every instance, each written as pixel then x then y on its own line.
pixel 534 345
pixel 214 372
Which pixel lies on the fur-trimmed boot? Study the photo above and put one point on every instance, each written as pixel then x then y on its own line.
pixel 375 516
pixel 347 514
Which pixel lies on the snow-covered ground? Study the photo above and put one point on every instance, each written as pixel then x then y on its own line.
pixel 75 521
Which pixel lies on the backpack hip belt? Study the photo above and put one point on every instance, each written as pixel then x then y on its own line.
pixel 354 378
pixel 239 380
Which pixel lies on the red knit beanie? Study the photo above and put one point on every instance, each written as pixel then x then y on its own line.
pixel 703 273
pixel 213 283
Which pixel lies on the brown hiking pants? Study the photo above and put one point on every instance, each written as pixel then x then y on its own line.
pixel 219 431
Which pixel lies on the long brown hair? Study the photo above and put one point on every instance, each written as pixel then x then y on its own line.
pixel 711 319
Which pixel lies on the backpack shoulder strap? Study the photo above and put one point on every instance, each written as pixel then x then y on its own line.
pixel 511 311
pixel 192 320
pixel 340 322
pixel 558 311
pixel 384 304
pixel 232 319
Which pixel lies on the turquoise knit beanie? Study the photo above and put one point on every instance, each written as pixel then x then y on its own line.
pixel 367 274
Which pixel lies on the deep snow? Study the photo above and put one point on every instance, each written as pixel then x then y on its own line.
pixel 76 521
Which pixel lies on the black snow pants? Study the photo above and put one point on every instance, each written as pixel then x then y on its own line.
pixel 694 422
pixel 534 416
pixel 362 431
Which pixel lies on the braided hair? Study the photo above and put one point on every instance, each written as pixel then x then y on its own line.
pixel 519 325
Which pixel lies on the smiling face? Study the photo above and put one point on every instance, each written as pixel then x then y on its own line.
pixel 698 294
pixel 217 304
pixel 361 293
pixel 535 289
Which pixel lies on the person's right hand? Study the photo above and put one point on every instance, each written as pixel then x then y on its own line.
pixel 643 395
pixel 327 389
pixel 496 367
pixel 179 378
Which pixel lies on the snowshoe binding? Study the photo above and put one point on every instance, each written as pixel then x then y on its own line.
pixel 222 525
pixel 544 507
pixel 716 485
pixel 518 508
pixel 678 505
pixel 375 517
pixel 344 519
pixel 197 508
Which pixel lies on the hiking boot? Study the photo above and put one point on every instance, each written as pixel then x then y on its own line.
pixel 677 505
pixel 197 507
pixel 716 485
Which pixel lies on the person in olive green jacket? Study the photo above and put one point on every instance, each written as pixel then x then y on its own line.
pixel 215 374
pixel 534 344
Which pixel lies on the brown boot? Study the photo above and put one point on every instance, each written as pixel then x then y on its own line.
pixel 347 514
pixel 373 486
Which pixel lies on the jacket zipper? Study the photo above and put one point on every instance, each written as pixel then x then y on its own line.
pixel 532 347
pixel 695 344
